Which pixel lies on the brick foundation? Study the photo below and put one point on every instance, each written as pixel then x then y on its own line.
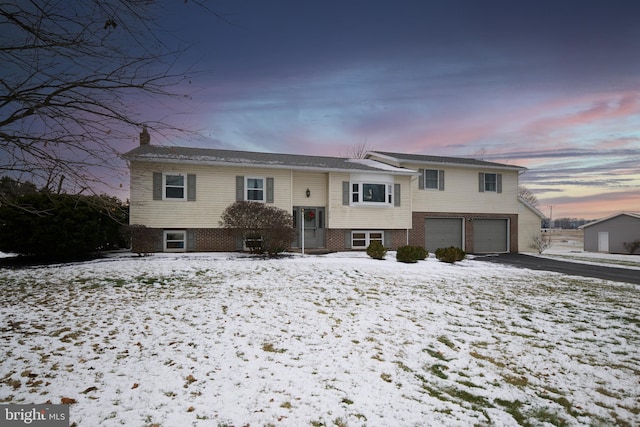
pixel 222 240
pixel 214 240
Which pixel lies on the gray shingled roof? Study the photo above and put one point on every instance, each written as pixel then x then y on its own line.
pixel 403 159
pixel 256 159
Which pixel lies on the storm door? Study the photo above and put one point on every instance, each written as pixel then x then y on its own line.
pixel 311 220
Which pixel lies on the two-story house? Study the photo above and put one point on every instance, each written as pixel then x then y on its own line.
pixel 180 193
pixel 467 203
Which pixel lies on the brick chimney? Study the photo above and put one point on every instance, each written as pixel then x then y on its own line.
pixel 145 138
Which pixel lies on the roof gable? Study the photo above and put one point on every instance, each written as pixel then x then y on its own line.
pixel 531 208
pixel 631 214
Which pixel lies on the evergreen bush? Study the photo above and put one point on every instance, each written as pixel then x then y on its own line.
pixel 411 254
pixel 62 226
pixel 376 251
pixel 450 254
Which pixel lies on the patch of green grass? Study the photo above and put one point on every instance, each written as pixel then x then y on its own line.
pixel 436 354
pixel 607 393
pixel 117 282
pixel 270 348
pixel 438 371
pixel 479 356
pixel 468 384
pixel 386 377
pixel 402 366
pixel 513 409
pixel 446 341
pixel 463 395
pixel 520 381
pixel 546 415
pixel 339 422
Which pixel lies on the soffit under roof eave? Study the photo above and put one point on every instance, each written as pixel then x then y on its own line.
pixel 268 166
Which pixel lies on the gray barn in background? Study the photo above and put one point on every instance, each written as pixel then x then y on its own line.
pixel 609 234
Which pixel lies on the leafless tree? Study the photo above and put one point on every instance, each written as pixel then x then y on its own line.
pixel 358 150
pixel 74 75
pixel 527 195
pixel 541 243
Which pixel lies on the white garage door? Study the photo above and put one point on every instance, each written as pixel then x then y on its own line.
pixel 442 233
pixel 490 235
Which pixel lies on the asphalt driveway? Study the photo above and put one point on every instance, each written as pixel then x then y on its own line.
pixel 571 268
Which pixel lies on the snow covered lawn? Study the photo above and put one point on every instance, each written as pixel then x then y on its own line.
pixel 341 339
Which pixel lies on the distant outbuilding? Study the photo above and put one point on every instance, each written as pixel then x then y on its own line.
pixel 610 234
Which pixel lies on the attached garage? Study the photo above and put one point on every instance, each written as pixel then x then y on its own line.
pixel 490 235
pixel 443 232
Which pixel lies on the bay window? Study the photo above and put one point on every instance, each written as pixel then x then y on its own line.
pixel 371 193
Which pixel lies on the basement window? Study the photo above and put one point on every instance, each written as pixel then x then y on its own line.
pixel 362 239
pixel 175 240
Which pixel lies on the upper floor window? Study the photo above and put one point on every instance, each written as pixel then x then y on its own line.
pixel 174 186
pixel 490 182
pixel 431 178
pixel 373 193
pixel 255 189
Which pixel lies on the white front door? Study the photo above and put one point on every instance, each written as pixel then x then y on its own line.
pixel 603 241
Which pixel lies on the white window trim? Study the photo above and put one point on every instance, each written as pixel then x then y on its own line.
pixel 437 187
pixel 164 185
pixel 389 196
pixel 247 189
pixel 495 189
pixel 165 241
pixel 367 237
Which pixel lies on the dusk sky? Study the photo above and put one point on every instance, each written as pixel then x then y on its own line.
pixel 553 86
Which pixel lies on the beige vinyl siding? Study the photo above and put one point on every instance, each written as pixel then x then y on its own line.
pixel 529 227
pixel 215 190
pixel 461 192
pixel 367 217
pixel 317 185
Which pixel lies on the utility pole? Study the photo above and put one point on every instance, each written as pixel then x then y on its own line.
pixel 550 216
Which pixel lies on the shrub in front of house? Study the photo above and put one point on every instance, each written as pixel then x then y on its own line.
pixel 411 254
pixel 376 251
pixel 144 241
pixel 265 229
pixel 450 254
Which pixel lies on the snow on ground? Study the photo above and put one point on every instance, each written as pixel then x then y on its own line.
pixel 341 339
pixel 568 245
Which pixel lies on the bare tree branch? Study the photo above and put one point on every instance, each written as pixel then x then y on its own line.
pixel 73 79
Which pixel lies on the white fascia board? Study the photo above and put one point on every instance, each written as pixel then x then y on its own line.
pixel 174 160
